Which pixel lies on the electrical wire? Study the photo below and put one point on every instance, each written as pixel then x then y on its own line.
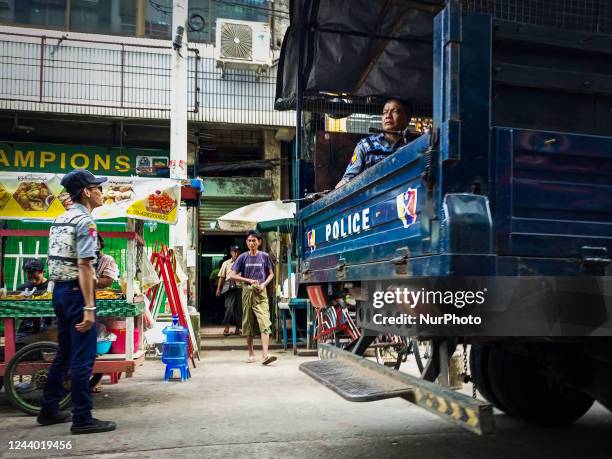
pixel 160 8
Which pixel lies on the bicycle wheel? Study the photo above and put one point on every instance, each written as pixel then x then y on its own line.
pixel 422 352
pixel 26 374
pixel 389 351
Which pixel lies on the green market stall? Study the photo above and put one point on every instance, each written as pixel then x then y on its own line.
pixel 24 232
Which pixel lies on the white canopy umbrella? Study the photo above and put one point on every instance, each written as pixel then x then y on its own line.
pixel 266 215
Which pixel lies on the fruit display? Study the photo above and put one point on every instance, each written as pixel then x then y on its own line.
pixel 108 295
pixel 160 202
pixel 14 297
pixel 46 296
pixel 43 296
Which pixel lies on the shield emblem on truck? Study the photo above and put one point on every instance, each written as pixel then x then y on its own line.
pixel 310 238
pixel 406 207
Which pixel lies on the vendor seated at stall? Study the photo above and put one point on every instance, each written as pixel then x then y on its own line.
pixel 37 283
pixel 375 148
pixel 35 273
pixel 106 270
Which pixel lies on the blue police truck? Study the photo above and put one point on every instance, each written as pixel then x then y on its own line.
pixel 510 192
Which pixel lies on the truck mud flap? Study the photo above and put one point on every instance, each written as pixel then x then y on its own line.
pixel 360 380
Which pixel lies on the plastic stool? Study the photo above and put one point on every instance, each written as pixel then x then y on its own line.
pixel 182 368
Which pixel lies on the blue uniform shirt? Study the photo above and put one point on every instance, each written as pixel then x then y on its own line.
pixel 368 152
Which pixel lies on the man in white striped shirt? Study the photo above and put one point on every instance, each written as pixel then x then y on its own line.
pixel 107 271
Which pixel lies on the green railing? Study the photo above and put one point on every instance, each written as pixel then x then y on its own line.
pixel 43 308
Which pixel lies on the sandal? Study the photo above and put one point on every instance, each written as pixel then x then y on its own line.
pixel 226 332
pixel 238 332
pixel 268 360
pixel 96 390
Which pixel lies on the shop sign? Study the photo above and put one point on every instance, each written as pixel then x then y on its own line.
pixel 41 196
pixel 140 198
pixel 100 160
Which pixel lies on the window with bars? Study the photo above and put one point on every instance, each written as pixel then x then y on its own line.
pixel 582 15
pixel 120 17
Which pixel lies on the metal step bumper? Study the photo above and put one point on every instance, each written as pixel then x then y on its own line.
pixel 360 380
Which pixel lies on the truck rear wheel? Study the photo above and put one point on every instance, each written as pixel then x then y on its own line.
pixel 479 369
pixel 519 384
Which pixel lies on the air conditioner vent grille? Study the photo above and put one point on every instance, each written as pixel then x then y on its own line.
pixel 236 42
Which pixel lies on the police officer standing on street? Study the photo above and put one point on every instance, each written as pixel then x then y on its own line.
pixel 73 242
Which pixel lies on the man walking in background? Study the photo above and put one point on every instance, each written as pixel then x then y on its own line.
pixel 232 293
pixel 254 269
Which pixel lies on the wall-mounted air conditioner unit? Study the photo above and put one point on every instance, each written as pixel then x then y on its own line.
pixel 242 45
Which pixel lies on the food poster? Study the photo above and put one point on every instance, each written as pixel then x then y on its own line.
pixel 34 196
pixel 41 196
pixel 139 198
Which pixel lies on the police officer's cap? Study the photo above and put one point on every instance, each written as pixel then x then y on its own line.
pixel 33 265
pixel 79 179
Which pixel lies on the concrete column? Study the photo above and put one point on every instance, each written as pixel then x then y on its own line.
pixel 191 244
pixel 178 125
pixel 141 14
pixel 272 150
pixel 178 95
pixel 66 14
pixel 115 25
pixel 192 271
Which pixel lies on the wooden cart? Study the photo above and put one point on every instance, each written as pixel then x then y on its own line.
pixel 32 362
pixel 30 368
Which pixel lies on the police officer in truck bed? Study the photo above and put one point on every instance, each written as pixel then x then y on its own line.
pixel 377 147
pixel 73 241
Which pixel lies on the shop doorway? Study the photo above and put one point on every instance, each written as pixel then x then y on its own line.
pixel 214 248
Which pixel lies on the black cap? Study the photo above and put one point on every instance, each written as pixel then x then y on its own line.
pixel 33 265
pixel 234 248
pixel 78 179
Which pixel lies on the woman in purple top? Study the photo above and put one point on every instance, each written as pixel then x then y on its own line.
pixel 255 269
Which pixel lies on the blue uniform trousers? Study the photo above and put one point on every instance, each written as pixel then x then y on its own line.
pixel 77 352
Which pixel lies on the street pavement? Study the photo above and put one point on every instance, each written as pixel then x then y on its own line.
pixel 230 408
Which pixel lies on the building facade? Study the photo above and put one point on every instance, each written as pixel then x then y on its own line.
pixel 86 83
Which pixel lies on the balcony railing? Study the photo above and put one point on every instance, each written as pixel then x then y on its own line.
pixel 105 78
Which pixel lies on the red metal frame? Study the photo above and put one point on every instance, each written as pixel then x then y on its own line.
pixel 163 266
pixel 100 366
pixel 129 235
pixel 344 323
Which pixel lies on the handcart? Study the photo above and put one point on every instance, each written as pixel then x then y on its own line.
pixel 24 371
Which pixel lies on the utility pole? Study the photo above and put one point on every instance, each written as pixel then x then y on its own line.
pixel 178 115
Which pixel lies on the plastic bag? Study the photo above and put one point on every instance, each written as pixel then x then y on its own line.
pixel 148 319
pixel 104 334
pixel 149 276
pixel 180 274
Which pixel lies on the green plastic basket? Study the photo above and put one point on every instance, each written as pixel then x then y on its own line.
pixel 104 308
